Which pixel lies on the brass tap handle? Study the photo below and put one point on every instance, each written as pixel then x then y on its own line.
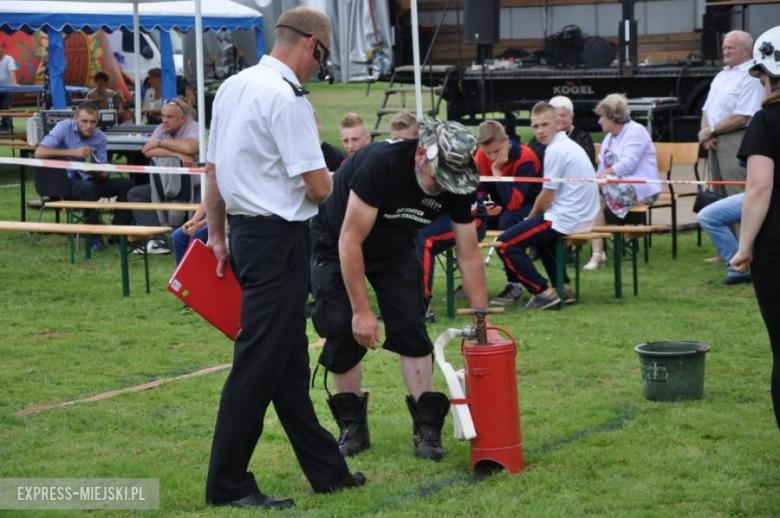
pixel 484 311
pixel 481 328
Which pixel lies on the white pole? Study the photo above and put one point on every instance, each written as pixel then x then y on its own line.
pixel 136 61
pixel 416 57
pixel 201 87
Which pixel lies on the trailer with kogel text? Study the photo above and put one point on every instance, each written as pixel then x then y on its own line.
pixel 491 59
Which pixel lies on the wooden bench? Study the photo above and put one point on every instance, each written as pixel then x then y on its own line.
pixel 119 205
pixel 126 233
pixel 71 205
pixel 574 240
pixel 577 241
pixel 620 235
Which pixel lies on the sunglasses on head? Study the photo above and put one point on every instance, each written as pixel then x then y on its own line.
pixel 174 101
pixel 319 57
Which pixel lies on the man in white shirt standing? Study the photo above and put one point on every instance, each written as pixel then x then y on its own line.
pixel 7 78
pixel 560 209
pixel 733 99
pixel 266 171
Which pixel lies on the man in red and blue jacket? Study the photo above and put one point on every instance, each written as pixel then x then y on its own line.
pixel 500 156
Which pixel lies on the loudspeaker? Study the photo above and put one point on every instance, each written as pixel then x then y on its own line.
pixel 481 21
pixel 715 25
pixel 598 52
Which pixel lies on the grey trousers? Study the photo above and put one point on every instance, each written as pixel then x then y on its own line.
pixel 724 164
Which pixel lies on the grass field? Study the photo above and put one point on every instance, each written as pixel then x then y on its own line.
pixel 593 444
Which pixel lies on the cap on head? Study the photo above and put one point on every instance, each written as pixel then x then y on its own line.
pixel 450 147
pixel 766 54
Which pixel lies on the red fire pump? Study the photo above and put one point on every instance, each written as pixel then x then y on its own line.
pixel 484 398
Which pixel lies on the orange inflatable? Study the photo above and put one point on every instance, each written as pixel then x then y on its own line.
pixel 85 54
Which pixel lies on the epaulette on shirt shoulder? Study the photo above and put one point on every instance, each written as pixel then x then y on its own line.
pixel 297 89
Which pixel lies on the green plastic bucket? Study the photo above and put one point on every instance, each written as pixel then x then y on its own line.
pixel 672 371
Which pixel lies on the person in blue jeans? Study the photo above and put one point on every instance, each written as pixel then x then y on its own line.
pixel 715 219
pixel 195 228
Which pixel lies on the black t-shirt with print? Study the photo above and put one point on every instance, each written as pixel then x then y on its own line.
pixel 382 175
pixel 763 138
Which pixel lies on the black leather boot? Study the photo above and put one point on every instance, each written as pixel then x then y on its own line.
pixel 428 415
pixel 351 414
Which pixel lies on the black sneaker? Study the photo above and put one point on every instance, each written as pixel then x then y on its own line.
pixel 430 317
pixel 731 280
pixel 510 296
pixel 542 302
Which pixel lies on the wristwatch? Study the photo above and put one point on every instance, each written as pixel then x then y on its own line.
pixel 159 142
pixel 712 130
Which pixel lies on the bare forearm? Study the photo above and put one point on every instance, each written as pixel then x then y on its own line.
pixel 354 273
pixel 731 123
pixel 754 209
pixel 160 152
pixel 47 152
pixel 542 203
pixel 184 146
pixel 199 212
pixel 215 205
pixel 474 280
pixel 319 186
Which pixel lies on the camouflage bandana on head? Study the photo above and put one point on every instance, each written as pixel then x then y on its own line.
pixel 450 147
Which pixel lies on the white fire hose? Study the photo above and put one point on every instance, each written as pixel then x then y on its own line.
pixel 456 383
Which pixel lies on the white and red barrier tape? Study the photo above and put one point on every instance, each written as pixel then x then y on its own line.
pixel 118 168
pixel 531 179
pixel 115 168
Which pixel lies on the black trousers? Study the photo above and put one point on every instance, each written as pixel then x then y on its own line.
pixel 6 100
pixel 766 282
pixel 270 363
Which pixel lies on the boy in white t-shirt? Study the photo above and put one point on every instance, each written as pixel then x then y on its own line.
pixel 7 78
pixel 560 209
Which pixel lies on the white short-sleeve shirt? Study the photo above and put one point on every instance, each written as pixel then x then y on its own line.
pixel 7 67
pixel 733 92
pixel 263 137
pixel 575 205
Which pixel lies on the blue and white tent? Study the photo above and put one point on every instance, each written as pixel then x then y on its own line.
pixel 58 16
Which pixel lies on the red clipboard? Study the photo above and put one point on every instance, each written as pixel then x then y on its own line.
pixel 216 299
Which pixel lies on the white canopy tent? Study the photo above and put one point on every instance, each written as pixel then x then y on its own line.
pixel 57 15
pixel 351 37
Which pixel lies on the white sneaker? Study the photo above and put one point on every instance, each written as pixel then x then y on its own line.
pixel 597 260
